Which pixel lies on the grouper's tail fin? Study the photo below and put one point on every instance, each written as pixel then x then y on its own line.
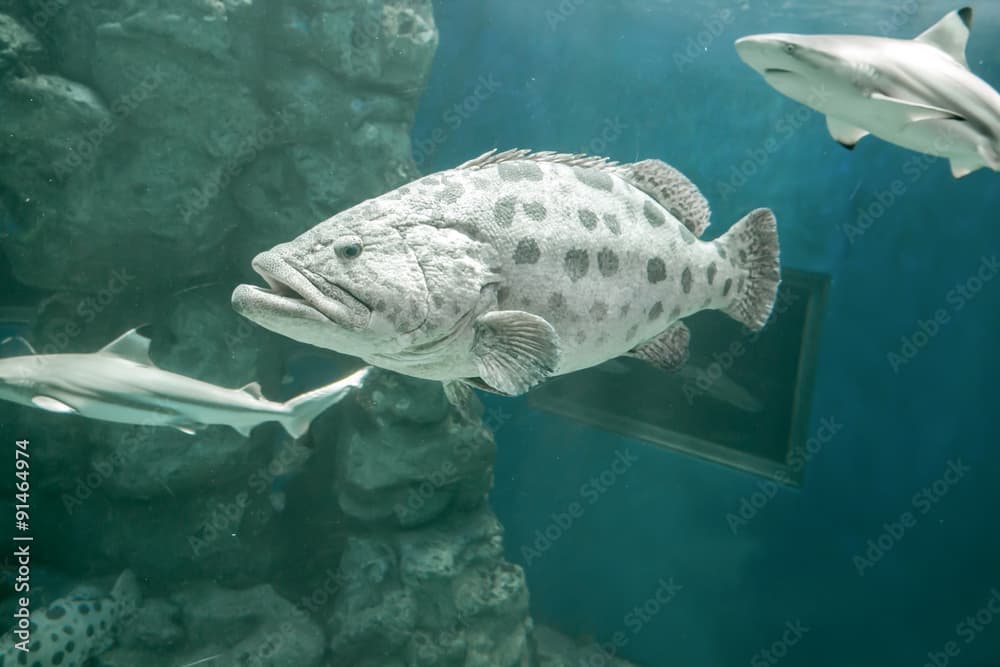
pixel 752 243
pixel 303 409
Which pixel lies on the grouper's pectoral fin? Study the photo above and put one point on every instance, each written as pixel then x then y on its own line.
pixel 514 350
pixel 668 351
pixel 846 134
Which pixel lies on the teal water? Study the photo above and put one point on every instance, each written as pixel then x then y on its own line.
pixel 372 543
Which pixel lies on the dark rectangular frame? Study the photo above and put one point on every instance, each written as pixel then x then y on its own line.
pixel 585 395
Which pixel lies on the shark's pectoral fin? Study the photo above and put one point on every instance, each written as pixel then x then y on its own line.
pixel 131 345
pixel 950 34
pixel 244 429
pixel 668 351
pixel 914 112
pixel 990 155
pixel 514 350
pixel 960 168
pixel 189 430
pixel 846 134
pixel 53 405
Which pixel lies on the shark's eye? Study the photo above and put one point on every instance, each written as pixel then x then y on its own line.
pixel 789 47
pixel 349 248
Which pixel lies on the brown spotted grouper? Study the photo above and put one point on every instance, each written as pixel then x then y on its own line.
pixel 515 267
pixel 71 630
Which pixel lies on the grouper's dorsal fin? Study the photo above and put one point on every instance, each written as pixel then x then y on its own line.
pixel 571 159
pixel 950 34
pixel 131 345
pixel 670 189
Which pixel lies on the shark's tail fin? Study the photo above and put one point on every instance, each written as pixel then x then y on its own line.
pixel 303 409
pixel 752 243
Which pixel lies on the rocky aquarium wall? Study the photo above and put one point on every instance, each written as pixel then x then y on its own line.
pixel 148 150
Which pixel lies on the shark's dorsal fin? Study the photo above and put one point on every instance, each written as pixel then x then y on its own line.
pixel 253 389
pixel 18 339
pixel 950 34
pixel 131 345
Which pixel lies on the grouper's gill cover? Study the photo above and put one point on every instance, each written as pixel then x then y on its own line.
pixel 515 267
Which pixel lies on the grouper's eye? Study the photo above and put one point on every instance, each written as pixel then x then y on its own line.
pixel 349 248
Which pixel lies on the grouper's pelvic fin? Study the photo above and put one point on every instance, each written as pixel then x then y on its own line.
pixel 752 243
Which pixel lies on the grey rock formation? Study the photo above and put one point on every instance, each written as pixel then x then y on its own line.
pixel 424 577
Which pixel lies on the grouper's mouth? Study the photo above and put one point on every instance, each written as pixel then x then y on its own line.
pixel 296 292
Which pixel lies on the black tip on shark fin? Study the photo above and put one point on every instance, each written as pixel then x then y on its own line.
pixel 848 146
pixel 965 13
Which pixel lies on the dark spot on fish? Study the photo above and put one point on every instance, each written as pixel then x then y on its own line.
pixel 739 286
pixel 686 235
pixel 711 272
pixel 743 256
pixel 90 631
pixel 450 194
pixel 611 222
pixel 675 312
pixel 380 307
pixel 656 270
pixel 722 251
pixel 438 300
pixel 656 310
pixel 728 286
pixel 97 606
pixel 502 295
pixel 54 638
pixel 557 301
pixel 519 171
pixel 57 658
pixel 623 311
pixel 599 310
pixel 535 211
pixel 588 218
pixel 527 252
pixel 577 264
pixel 103 625
pixel 686 280
pixel 607 262
pixel 34 646
pixel 68 629
pixel 706 303
pixel 55 612
pixel 70 646
pixel 581 337
pixel 654 216
pixel 595 178
pixel 503 210
pixel 84 608
pixel 630 334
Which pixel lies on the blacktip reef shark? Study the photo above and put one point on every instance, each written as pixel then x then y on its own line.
pixel 120 383
pixel 916 93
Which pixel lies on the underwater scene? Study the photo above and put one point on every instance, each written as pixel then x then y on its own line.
pixel 511 333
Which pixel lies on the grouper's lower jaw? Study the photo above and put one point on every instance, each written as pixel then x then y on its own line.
pixel 293 292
